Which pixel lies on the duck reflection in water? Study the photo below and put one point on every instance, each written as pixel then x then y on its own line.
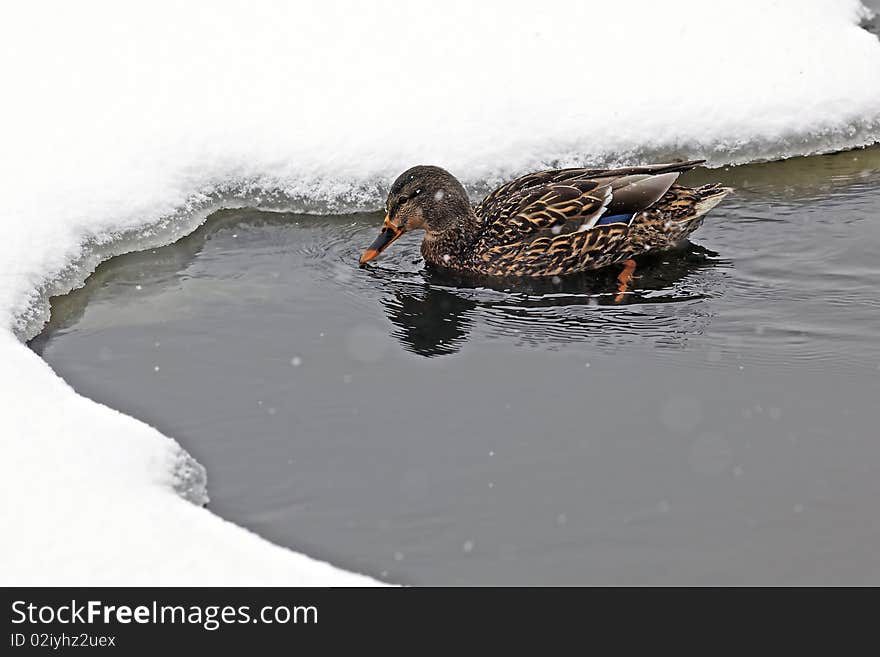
pixel 434 317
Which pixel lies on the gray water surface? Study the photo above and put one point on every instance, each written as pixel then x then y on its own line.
pixel 717 426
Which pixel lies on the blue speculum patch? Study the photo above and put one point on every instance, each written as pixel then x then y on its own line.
pixel 615 218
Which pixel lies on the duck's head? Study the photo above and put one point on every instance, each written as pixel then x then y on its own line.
pixel 425 197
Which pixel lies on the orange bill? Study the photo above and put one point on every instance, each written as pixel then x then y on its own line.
pixel 389 233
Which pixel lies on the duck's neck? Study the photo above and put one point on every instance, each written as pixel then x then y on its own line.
pixel 449 247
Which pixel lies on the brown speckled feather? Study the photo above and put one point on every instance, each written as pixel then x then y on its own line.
pixel 486 207
pixel 544 210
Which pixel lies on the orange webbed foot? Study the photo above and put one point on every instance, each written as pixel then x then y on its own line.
pixel 624 279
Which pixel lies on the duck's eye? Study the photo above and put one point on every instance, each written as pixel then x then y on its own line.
pixel 401 200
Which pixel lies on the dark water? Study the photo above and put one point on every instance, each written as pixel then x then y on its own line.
pixel 719 425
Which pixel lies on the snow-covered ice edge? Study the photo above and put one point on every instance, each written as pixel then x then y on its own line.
pixel 132 124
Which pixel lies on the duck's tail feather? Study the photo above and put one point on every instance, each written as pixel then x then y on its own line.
pixel 709 196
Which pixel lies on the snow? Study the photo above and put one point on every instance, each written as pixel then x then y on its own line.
pixel 124 126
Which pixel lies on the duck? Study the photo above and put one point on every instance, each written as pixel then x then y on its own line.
pixel 547 223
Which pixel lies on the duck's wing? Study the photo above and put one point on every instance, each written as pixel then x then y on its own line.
pixel 549 209
pixel 578 204
pixel 488 206
pixel 565 226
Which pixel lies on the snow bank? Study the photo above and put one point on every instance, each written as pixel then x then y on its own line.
pixel 123 126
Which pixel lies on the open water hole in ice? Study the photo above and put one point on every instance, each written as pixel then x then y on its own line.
pixel 719 425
